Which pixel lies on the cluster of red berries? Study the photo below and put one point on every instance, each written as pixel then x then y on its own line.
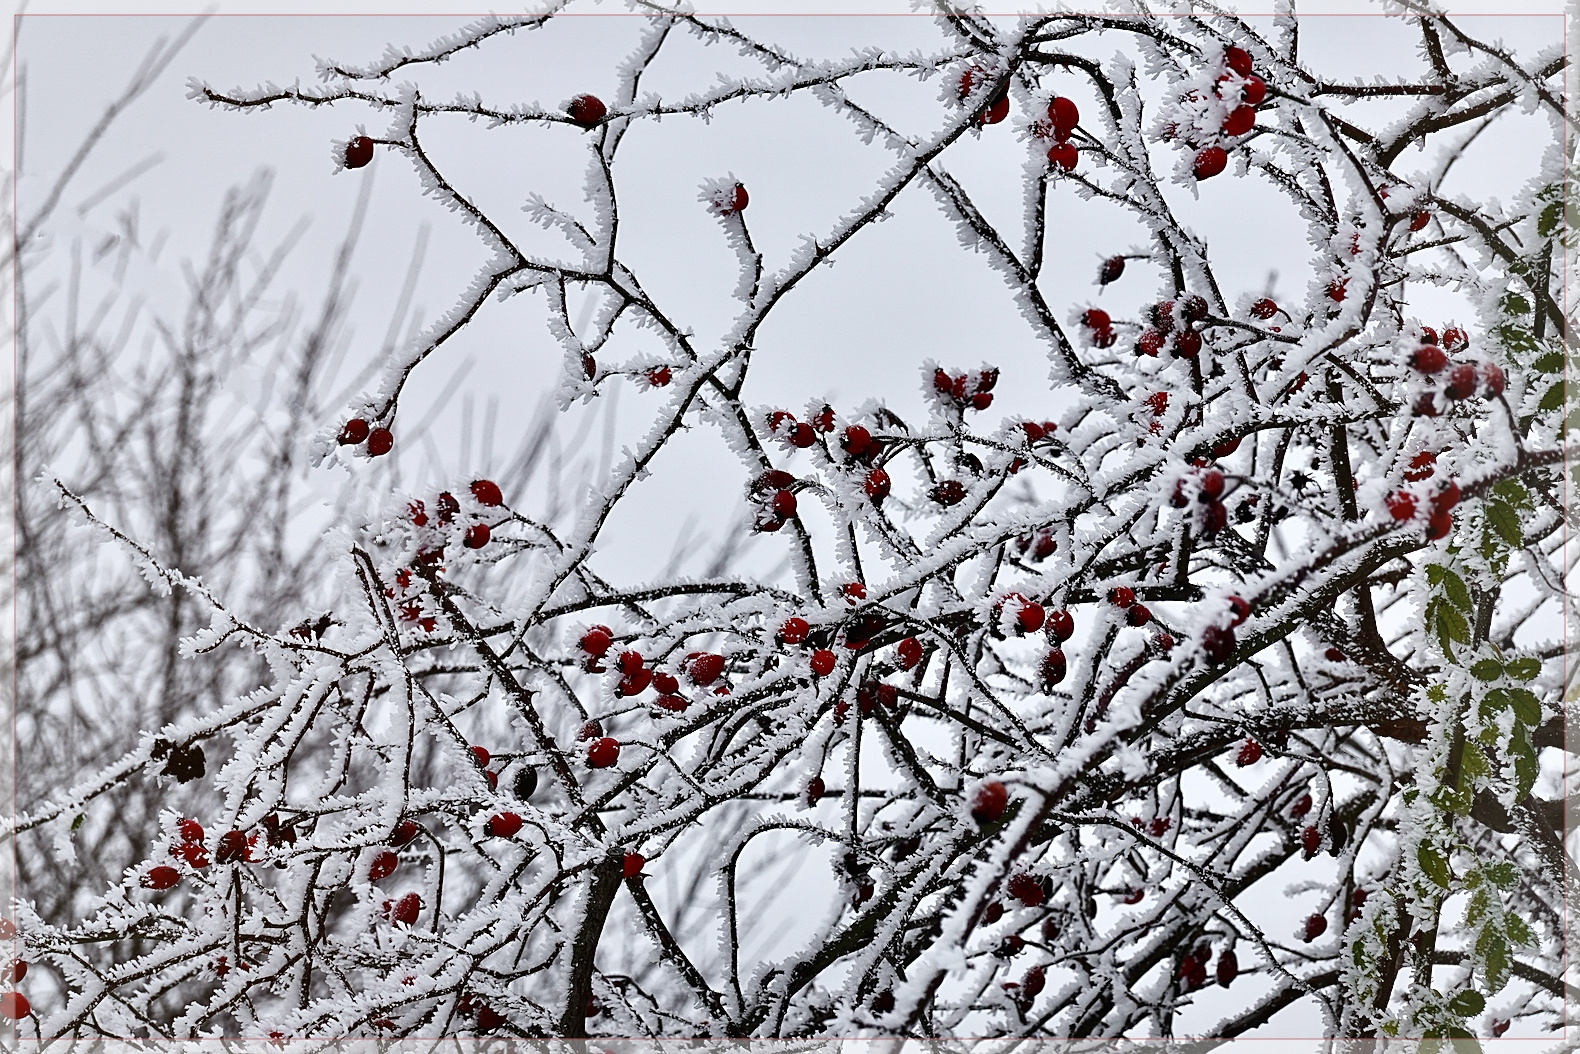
pixel 996 108
pixel 1211 487
pixel 1405 504
pixel 1218 642
pixel 1060 626
pixel 1242 91
pixel 380 441
pixel 774 492
pixel 1181 320
pixel 800 434
pixel 1063 116
pixel 1099 327
pixel 1454 381
pixel 1193 967
pixel 965 391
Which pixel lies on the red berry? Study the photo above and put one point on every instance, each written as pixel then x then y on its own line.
pixel 1422 466
pixel 1301 807
pixel 406 909
pixel 1333 655
pixel 665 684
pixel 632 865
pixel 1337 288
pixel 909 652
pixel 1401 505
pixel 1138 615
pixel 161 877
pixel 1429 358
pixel 1438 525
pixel 1358 898
pixel 988 803
pixel 1111 269
pixel 1064 156
pixel 596 641
pixel 1492 379
pixel 1210 162
pixel 1228 967
pixel 1032 984
pixel 486 492
pixel 675 704
pixel 355 431
pixel 1212 484
pixel 1418 220
pixel 1240 609
pixel 1064 115
pixel 1029 618
pixel 802 436
pixel 1122 596
pixel 380 442
pixel 586 110
pixel 1025 889
pixel 794 631
pixel 1061 624
pixel 1250 753
pixel 1500 1026
pixel 1264 309
pixel 815 789
pixel 659 376
pixel 824 420
pixel 949 492
pixel 942 382
pixel 1316 926
pixel 1164 642
pixel 1054 668
pixel 602 753
pixel 405 831
pixel 1187 344
pixel 1096 318
pixel 383 865
pixel 705 668
pixel 1447 496
pixel 18 970
pixel 477 536
pixel 783 504
pixel 1254 90
pixel 1149 343
pixel 232 847
pixel 482 755
pixel 996 111
pixel 1218 643
pixel 359 152
pixel 853 591
pixel 981 400
pixel 1227 447
pixel 634 683
pixel 631 662
pixel 877 484
pixel 737 200
pixel 1461 381
pixel 1240 120
pixel 1454 339
pixel 1310 841
pixel 190 830
pixel 14 1006
pixel 1238 60
pixel 823 662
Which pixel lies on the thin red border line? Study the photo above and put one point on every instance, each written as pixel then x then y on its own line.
pixel 16 481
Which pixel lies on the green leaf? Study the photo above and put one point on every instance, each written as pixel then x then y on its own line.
pixel 1473 766
pixel 1445 641
pixel 1549 218
pixel 1487 670
pixel 1512 492
pixel 1525 668
pixel 1493 950
pixel 1433 865
pixel 1552 362
pixel 1506 522
pixel 1467 1003
pixel 1524 756
pixel 1452 623
pixel 1527 708
pixel 1502 874
pixel 1455 587
pixel 1496 699
pixel 1518 930
pixel 1553 398
pixel 1515 304
pixel 77 820
pixel 1434 574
